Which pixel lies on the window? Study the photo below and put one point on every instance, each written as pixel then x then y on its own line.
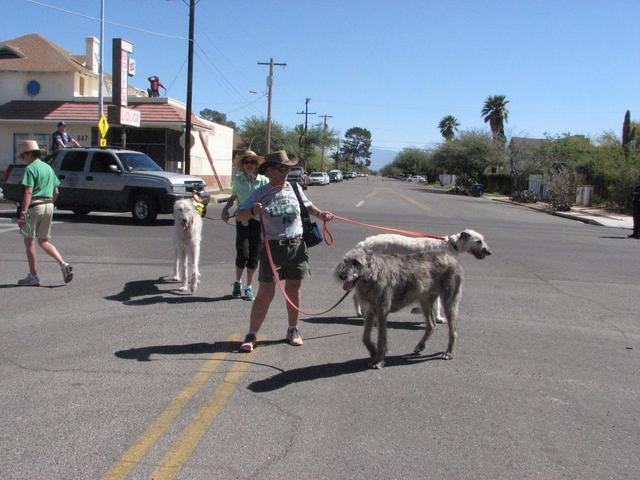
pixel 43 139
pixel 74 161
pixel 100 162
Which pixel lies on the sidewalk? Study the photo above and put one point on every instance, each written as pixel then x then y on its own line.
pixel 593 216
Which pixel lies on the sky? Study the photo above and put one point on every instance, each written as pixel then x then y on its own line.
pixel 393 67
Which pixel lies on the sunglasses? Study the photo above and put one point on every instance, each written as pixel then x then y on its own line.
pixel 249 162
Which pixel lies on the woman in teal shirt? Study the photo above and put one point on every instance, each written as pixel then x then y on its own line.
pixel 244 184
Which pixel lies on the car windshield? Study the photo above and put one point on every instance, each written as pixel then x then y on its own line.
pixel 317 175
pixel 138 162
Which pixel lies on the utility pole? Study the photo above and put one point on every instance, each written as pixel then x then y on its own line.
pixel 100 69
pixel 324 133
pixel 270 85
pixel 187 132
pixel 306 114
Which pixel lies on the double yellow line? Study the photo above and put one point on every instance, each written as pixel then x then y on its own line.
pixel 183 447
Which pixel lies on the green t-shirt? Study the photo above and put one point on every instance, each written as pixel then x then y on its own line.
pixel 243 189
pixel 41 178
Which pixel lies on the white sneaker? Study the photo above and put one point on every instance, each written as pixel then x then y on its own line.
pixel 29 281
pixel 67 272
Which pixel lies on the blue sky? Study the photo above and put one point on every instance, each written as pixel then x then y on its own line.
pixel 395 68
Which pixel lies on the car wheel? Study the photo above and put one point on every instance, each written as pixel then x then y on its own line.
pixel 80 211
pixel 144 209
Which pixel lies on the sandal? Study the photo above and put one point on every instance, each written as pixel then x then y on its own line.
pixel 249 343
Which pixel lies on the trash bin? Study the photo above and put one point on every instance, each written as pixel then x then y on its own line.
pixel 476 190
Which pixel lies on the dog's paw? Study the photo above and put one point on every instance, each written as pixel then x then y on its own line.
pixel 174 278
pixel 193 287
pixel 419 348
pixel 441 320
pixel 376 365
pixel 447 356
pixel 184 288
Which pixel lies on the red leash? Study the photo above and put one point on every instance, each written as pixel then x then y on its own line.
pixel 279 282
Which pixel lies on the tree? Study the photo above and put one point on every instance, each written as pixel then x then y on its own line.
pixel 468 156
pixel 496 114
pixel 254 135
pixel 414 161
pixel 217 117
pixel 628 133
pixel 448 127
pixel 356 145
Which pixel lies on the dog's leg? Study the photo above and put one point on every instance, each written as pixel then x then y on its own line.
pixel 438 314
pixel 184 279
pixel 378 359
pixel 195 270
pixel 356 304
pixel 366 334
pixel 427 305
pixel 451 301
pixel 176 275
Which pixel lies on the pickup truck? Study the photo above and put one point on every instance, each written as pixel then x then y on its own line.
pixel 110 180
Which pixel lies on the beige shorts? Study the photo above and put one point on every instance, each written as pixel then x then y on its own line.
pixel 38 222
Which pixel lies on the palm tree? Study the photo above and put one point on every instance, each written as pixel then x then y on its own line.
pixel 448 127
pixel 495 112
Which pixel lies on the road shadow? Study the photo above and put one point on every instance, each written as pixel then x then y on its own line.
pixel 13 285
pixel 151 294
pixel 357 321
pixel 329 370
pixel 624 237
pixel 108 220
pixel 143 354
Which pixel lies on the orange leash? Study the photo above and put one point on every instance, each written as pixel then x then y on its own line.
pixel 380 227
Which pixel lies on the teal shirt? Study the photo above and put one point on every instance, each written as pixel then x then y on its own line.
pixel 41 178
pixel 243 189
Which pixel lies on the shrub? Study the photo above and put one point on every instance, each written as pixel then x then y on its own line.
pixel 524 196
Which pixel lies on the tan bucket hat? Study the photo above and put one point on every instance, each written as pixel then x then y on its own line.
pixel 278 158
pixel 28 146
pixel 237 161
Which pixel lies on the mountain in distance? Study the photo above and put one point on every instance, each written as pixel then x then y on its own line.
pixel 381 157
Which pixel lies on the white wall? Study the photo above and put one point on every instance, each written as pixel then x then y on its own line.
pixel 53 86
pixel 220 143
pixel 14 133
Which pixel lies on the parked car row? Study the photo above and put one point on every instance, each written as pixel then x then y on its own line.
pixel 297 174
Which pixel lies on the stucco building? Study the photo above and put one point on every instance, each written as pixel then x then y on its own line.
pixel 41 84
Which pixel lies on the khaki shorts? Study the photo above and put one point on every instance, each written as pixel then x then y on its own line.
pixel 38 222
pixel 291 260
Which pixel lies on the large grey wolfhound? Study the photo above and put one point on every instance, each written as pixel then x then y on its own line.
pixel 387 283
pixel 468 241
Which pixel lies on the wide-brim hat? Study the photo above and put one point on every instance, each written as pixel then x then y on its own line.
pixel 237 161
pixel 278 158
pixel 28 146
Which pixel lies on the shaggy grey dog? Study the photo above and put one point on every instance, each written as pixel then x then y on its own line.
pixel 387 283
pixel 468 241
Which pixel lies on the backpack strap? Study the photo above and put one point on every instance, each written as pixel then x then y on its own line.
pixel 304 213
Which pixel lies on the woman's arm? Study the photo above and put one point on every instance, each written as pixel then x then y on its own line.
pixel 322 215
pixel 244 215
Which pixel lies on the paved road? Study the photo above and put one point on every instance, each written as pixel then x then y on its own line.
pixel 118 375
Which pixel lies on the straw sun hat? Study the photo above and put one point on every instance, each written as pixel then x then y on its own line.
pixel 237 161
pixel 278 158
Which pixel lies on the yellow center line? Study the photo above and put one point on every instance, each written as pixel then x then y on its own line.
pixel 141 447
pixel 183 447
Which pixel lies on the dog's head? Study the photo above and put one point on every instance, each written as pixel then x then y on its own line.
pixel 184 213
pixel 352 267
pixel 472 242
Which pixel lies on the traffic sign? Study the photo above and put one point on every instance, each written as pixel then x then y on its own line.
pixel 103 125
pixel 103 142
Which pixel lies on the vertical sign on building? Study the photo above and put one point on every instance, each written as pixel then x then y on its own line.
pixel 123 67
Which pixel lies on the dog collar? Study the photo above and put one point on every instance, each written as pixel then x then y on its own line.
pixel 453 244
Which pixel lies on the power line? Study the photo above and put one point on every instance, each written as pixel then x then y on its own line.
pixel 88 17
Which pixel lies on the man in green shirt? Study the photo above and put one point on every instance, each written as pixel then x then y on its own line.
pixel 36 211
